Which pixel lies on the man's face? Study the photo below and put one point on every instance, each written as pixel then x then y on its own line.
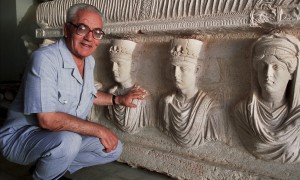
pixel 273 75
pixel 184 74
pixel 121 70
pixel 82 46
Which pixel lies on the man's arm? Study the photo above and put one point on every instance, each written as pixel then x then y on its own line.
pixel 125 100
pixel 58 121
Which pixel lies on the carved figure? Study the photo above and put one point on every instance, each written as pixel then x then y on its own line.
pixel 184 114
pixel 130 120
pixel 268 120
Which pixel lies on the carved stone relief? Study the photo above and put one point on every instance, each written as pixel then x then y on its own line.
pixel 130 120
pixel 187 141
pixel 156 16
pixel 276 12
pixel 186 115
pixel 268 120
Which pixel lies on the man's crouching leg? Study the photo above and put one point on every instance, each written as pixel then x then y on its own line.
pixel 51 152
pixel 57 158
pixel 92 153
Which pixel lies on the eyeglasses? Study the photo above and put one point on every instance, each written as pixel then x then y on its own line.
pixel 82 30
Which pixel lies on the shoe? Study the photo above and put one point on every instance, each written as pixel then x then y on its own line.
pixel 32 168
pixel 64 178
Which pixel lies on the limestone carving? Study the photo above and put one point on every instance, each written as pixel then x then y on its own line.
pixel 274 12
pixel 134 10
pixel 185 115
pixel 148 16
pixel 268 120
pixel 130 120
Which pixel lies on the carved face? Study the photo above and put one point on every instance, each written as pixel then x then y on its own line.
pixel 121 70
pixel 273 75
pixel 184 74
pixel 79 45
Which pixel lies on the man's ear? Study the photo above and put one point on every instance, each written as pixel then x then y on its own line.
pixel 66 30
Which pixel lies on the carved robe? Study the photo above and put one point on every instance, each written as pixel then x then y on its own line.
pixel 269 135
pixel 130 120
pixel 188 123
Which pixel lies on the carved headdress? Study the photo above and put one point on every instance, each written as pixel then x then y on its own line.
pixel 285 48
pixel 185 50
pixel 122 50
pixel 273 134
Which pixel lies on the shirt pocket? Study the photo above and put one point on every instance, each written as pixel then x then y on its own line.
pixel 90 96
pixel 67 102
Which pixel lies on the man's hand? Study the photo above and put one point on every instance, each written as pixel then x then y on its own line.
pixel 108 139
pixel 135 93
pixel 58 121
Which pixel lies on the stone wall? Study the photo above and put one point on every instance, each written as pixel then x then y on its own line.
pixel 227 30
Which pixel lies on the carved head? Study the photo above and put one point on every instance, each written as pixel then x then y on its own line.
pixel 184 57
pixel 121 56
pixel 275 60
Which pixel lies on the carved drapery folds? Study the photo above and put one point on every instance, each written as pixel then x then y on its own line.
pixel 130 120
pixel 187 114
pixel 268 120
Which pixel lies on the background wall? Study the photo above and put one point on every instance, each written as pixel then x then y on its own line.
pixel 17 21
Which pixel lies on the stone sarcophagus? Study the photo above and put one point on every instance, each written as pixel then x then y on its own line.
pixel 222 81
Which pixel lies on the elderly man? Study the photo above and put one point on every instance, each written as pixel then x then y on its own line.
pixel 268 120
pixel 46 124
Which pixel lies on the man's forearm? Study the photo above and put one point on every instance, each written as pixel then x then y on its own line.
pixel 58 121
pixel 125 100
pixel 103 99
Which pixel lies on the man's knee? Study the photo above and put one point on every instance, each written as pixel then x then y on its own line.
pixel 118 151
pixel 112 155
pixel 68 144
pixel 119 148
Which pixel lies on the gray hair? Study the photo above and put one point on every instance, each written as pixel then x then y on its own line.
pixel 74 9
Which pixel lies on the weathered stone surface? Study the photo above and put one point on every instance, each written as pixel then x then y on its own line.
pixel 227 30
pixel 174 16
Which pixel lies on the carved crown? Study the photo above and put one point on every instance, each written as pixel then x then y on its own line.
pixel 185 50
pixel 122 49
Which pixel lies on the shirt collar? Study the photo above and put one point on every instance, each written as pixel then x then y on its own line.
pixel 68 61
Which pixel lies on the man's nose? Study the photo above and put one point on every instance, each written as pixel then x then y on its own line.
pixel 89 36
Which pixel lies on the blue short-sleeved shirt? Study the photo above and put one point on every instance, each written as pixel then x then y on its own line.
pixel 53 83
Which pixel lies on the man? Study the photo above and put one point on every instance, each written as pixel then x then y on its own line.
pixel 268 120
pixel 187 114
pixel 46 124
pixel 130 120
